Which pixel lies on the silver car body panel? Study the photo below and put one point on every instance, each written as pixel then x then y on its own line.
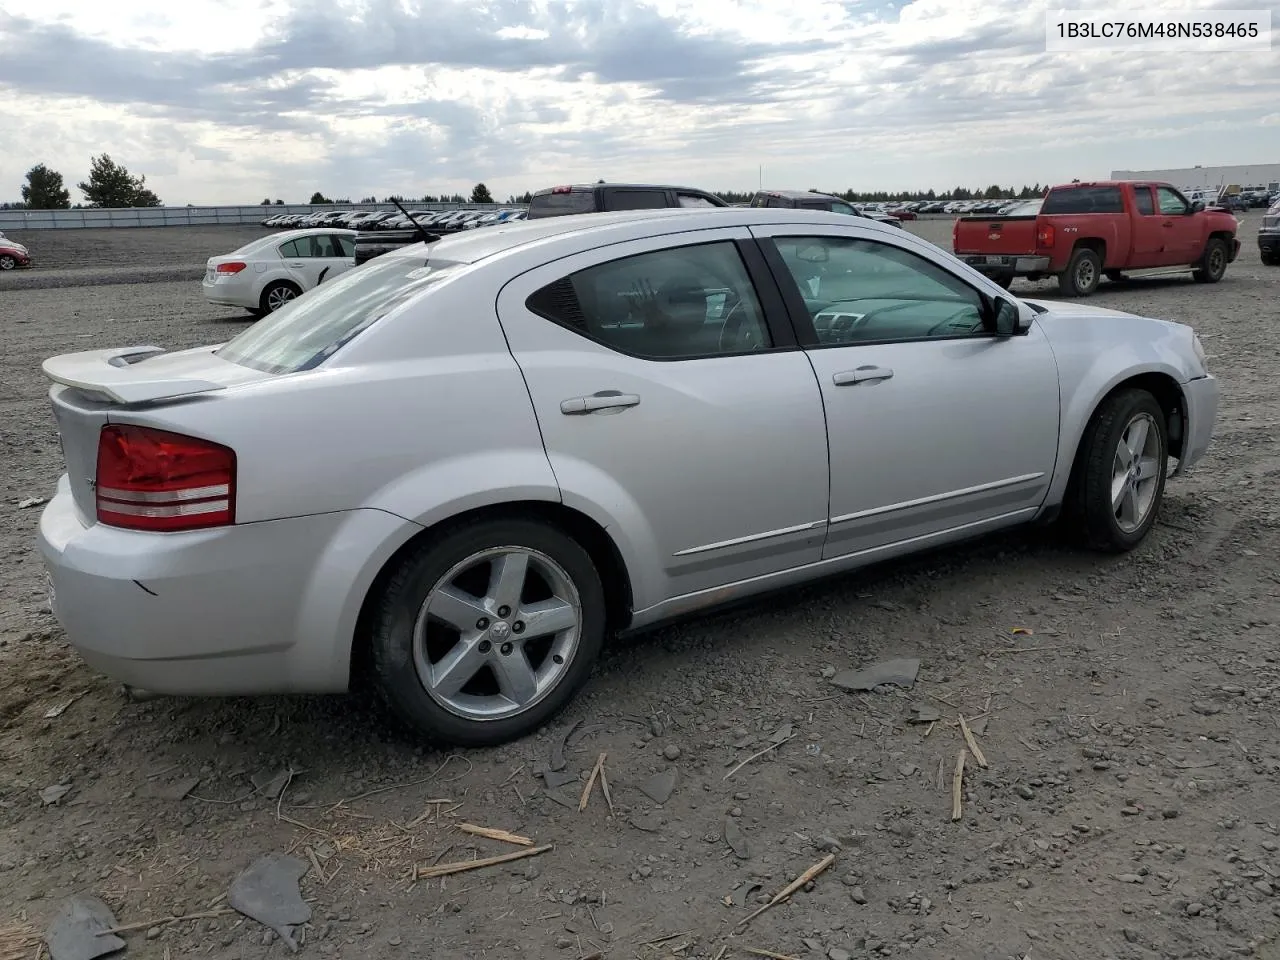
pixel 733 475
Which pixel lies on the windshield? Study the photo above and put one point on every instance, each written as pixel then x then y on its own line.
pixel 307 331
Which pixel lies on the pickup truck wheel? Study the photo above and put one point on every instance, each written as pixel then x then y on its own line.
pixel 1213 264
pixel 1118 477
pixel 1083 272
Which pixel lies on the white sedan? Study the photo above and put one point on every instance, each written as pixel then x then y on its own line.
pixel 265 274
pixel 466 463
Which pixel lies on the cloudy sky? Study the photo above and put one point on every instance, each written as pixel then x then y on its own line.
pixel 234 100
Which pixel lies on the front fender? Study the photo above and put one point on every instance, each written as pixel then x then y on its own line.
pixel 1096 354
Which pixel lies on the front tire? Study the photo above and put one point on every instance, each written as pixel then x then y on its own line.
pixel 486 632
pixel 1083 273
pixel 7 263
pixel 276 295
pixel 1119 474
pixel 1213 263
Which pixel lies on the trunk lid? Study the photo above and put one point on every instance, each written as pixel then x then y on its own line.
pixel 93 388
pixel 995 235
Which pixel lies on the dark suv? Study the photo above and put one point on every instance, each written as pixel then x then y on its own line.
pixel 807 200
pixel 1269 236
pixel 603 197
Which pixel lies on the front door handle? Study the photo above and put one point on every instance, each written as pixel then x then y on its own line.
pixel 861 375
pixel 1168 223
pixel 294 263
pixel 604 400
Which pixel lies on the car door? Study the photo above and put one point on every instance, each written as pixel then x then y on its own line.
pixel 674 402
pixel 936 427
pixel 301 261
pixel 1152 230
pixel 1184 227
pixel 338 254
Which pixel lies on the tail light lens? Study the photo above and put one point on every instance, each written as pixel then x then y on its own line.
pixel 155 480
pixel 955 233
pixel 1044 236
pixel 233 267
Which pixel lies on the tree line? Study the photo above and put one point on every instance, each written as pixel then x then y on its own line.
pixel 110 184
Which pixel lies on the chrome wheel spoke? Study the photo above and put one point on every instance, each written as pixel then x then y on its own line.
pixel 456 668
pixel 547 617
pixel 1128 513
pixel 457 609
pixel 516 678
pixel 1119 487
pixel 1148 468
pixel 1136 440
pixel 506 580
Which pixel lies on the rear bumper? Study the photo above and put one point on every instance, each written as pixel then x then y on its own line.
pixel 1202 414
pixel 267 607
pixel 224 294
pixel 1004 265
pixel 1269 242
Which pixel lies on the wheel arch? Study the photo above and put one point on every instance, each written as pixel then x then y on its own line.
pixel 593 538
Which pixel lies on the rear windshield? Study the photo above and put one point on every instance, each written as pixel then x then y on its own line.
pixel 561 204
pixel 1083 200
pixel 307 331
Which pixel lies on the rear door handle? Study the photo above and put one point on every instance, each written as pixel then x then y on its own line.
pixel 294 263
pixel 861 375
pixel 604 400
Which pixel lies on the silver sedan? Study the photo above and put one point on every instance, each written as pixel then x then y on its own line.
pixel 466 464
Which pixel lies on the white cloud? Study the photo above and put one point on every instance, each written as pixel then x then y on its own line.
pixel 238 99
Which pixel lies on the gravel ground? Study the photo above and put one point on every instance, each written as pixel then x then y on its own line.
pixel 1126 707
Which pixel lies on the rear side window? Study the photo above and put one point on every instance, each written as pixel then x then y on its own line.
pixel 1083 200
pixel 562 204
pixel 692 200
pixel 635 199
pixel 307 331
pixel 289 250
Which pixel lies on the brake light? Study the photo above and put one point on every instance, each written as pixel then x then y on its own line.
pixel 955 233
pixel 150 479
pixel 233 267
pixel 562 189
pixel 1045 236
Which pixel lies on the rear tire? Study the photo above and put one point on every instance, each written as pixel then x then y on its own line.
pixel 1270 260
pixel 1213 262
pixel 1117 482
pixel 499 660
pixel 276 295
pixel 1083 273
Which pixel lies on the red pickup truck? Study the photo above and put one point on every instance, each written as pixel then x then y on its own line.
pixel 1085 231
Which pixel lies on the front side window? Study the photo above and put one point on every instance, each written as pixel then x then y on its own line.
pixel 865 291
pixel 684 302
pixel 1171 202
pixel 307 331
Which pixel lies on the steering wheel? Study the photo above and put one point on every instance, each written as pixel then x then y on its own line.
pixel 743 337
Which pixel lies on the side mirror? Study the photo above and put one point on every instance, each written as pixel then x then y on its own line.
pixel 1006 318
pixel 1197 206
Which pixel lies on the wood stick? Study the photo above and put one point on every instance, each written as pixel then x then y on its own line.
pixel 608 794
pixel 591 782
pixel 491 834
pixel 792 887
pixel 973 744
pixel 758 754
pixel 957 785
pixel 148 924
pixel 462 866
pixel 756 952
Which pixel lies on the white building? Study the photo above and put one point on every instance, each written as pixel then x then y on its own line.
pixel 1198 177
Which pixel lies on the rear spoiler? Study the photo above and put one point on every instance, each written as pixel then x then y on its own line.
pixel 108 373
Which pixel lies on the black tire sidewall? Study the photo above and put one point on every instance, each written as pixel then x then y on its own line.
pixel 392 629
pixel 1204 272
pixel 1102 438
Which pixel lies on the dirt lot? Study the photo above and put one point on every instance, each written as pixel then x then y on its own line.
pixel 1129 810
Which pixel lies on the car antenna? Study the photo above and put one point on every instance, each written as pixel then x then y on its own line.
pixel 426 237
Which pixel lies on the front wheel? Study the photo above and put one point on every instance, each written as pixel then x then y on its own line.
pixel 1213 263
pixel 1083 273
pixel 1119 474
pixel 7 262
pixel 485 633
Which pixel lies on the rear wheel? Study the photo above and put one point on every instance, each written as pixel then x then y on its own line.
pixel 1213 263
pixel 1082 275
pixel 486 632
pixel 1271 259
pixel 1119 474
pixel 276 295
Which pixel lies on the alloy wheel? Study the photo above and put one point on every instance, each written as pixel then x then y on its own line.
pixel 279 296
pixel 1135 472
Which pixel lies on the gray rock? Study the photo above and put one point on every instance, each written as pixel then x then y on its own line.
pixel 836 953
pixel 857 896
pixel 51 795
pixel 671 752
pixel 660 786
pixel 555 779
pixel 267 891
pixel 1025 792
pixel 73 934
pixel 1263 887
pixel 736 839
pixel 899 673
pixel 1131 935
pixel 1195 909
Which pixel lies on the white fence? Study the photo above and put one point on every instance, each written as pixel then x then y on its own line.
pixel 17 220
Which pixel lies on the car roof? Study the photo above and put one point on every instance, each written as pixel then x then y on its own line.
pixel 626 186
pixel 471 247
pixel 309 232
pixel 800 195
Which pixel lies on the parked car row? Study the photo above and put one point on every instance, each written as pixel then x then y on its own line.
pixel 447 220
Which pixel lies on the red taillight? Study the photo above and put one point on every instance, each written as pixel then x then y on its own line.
pixel 156 480
pixel 562 189
pixel 955 234
pixel 1045 236
pixel 233 267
